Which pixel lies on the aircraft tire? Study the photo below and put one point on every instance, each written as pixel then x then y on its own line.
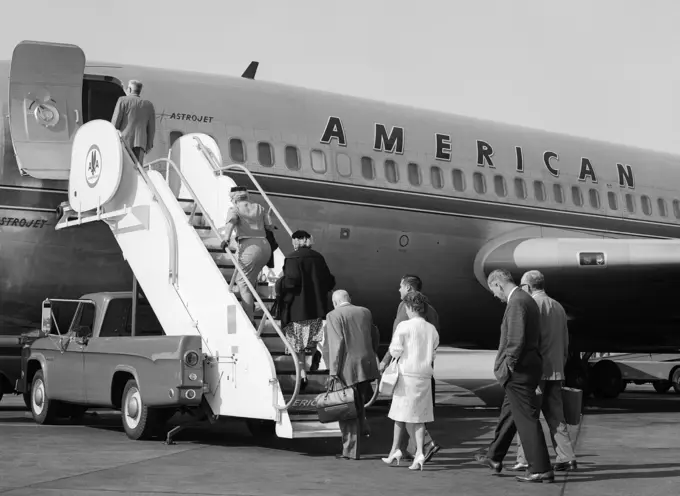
pixel 607 379
pixel 675 379
pixel 661 387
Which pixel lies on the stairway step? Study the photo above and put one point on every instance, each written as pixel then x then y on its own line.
pixel 307 429
pixel 316 382
pixel 285 364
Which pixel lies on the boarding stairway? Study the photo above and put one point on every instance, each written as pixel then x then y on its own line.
pixel 167 228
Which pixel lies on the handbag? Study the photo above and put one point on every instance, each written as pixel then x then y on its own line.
pixel 389 379
pixel 335 405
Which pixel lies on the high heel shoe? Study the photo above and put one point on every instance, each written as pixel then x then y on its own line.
pixel 393 456
pixel 418 462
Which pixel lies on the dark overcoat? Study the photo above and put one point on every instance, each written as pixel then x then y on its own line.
pixel 305 285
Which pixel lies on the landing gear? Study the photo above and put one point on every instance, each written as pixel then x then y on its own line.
pixel 675 380
pixel 607 379
pixel 661 387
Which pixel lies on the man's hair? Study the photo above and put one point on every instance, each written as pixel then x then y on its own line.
pixel 502 276
pixel 301 235
pixel 412 282
pixel 534 279
pixel 340 296
pixel 136 86
pixel 416 301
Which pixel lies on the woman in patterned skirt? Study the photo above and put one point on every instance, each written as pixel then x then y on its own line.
pixel 413 344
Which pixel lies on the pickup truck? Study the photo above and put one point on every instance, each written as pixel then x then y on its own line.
pixel 102 360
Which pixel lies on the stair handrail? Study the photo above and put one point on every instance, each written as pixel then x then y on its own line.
pixel 164 208
pixel 238 267
pixel 219 168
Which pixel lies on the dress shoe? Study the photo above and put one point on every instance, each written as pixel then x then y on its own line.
pixel 395 456
pixel 484 460
pixel 538 477
pixel 340 456
pixel 418 462
pixel 564 466
pixel 519 467
pixel 430 450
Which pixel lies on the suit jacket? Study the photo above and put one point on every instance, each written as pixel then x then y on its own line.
pixel 554 345
pixel 518 348
pixel 305 286
pixel 135 118
pixel 352 344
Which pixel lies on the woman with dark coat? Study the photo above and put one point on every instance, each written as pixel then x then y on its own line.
pixel 303 290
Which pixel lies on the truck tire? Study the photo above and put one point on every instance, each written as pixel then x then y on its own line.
pixel 675 379
pixel 43 409
pixel 138 419
pixel 2 392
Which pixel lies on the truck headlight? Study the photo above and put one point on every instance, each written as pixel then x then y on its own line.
pixel 191 358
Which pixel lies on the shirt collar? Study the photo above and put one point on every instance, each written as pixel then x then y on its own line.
pixel 344 303
pixel 537 293
pixel 511 292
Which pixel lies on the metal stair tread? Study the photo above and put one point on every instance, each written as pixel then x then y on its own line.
pixel 310 428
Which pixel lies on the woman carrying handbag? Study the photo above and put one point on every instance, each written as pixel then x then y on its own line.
pixel 413 345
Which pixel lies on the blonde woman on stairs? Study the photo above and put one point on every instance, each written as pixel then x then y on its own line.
pixel 414 343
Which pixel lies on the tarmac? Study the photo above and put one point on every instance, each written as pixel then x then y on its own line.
pixel 626 446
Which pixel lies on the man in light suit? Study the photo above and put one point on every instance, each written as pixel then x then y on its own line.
pixel 135 118
pixel 518 368
pixel 352 346
pixel 554 349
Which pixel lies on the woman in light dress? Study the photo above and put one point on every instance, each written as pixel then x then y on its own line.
pixel 413 344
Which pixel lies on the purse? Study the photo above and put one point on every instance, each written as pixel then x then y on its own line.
pixel 389 379
pixel 335 405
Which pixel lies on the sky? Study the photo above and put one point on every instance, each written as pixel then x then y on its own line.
pixel 605 69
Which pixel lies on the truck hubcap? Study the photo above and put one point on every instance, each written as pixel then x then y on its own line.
pixel 133 407
pixel 38 397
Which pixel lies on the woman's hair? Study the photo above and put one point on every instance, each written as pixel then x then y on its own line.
pixel 238 193
pixel 416 302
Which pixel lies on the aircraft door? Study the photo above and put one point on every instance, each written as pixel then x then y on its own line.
pixel 45 95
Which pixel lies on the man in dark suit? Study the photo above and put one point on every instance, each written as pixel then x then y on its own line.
pixel 408 284
pixel 518 368
pixel 352 345
pixel 135 118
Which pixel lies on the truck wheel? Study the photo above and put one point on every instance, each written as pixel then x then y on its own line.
pixel 661 386
pixel 675 380
pixel 43 409
pixel 138 420
pixel 2 392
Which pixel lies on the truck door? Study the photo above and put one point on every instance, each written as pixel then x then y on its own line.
pixel 45 95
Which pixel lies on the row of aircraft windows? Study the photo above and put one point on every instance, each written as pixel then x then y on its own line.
pixel 265 157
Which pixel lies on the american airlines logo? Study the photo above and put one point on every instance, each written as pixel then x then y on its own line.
pixel 93 167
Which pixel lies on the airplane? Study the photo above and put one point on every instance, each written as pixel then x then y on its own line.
pixel 385 190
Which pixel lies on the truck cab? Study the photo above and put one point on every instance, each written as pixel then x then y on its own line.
pixel 112 354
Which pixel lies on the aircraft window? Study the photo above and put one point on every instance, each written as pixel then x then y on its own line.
pixel 265 154
pixel 663 208
pixel 499 186
pixel 174 136
pixel 520 188
pixel 292 158
pixel 344 164
pixel 558 193
pixel 367 168
pixel 576 196
pixel 237 151
pixel 646 205
pixel 676 209
pixel 613 200
pixel 479 182
pixel 630 203
pixel 594 196
pixel 539 190
pixel 391 172
pixel 436 177
pixel 413 174
pixel 458 180
pixel 319 161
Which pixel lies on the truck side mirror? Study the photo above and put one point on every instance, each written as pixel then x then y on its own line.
pixel 46 327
